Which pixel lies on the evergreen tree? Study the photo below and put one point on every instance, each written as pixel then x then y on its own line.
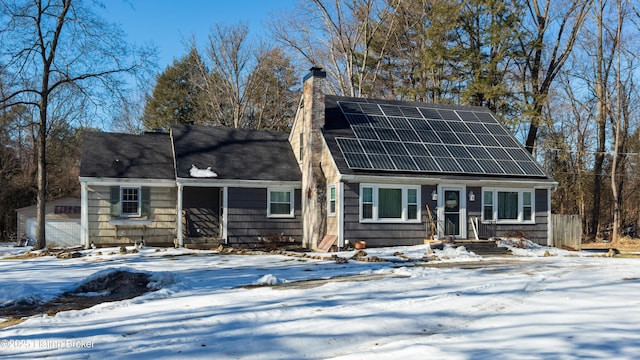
pixel 176 96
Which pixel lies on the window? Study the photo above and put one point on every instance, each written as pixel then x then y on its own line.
pixel 507 206
pixel 301 145
pixel 130 201
pixel 367 203
pixel 412 204
pixel 487 205
pixel 388 203
pixel 527 208
pixel 66 209
pixel 331 201
pixel 280 203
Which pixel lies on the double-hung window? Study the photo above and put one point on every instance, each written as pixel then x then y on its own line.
pixel 389 203
pixel 331 200
pixel 507 206
pixel 129 201
pixel 280 203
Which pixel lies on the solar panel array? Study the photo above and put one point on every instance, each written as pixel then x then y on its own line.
pixel 423 139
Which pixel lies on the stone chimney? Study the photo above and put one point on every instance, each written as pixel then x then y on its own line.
pixel 313 180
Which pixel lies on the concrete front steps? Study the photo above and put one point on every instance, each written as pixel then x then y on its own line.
pixel 202 243
pixel 482 247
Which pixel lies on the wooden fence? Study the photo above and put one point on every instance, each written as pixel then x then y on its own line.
pixel 567 231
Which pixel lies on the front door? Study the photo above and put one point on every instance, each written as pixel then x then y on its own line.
pixel 452 212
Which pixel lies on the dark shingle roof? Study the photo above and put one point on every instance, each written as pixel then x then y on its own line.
pixel 235 153
pixel 113 155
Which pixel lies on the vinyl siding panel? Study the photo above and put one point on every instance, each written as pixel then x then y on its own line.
pixel 247 221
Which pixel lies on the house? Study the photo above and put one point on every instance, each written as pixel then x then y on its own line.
pixel 62 222
pixel 382 171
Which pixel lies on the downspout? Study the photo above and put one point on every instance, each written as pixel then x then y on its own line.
pixel 549 219
pixel 340 213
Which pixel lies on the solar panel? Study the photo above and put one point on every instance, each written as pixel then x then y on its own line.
pixel 417 149
pixel 470 166
pixel 391 110
pixel 423 139
pixel 364 132
pixel 410 112
pixel 448 164
pixel 428 136
pixel 426 163
pixel 357 161
pixel 404 163
pixel 395 148
pixel 350 107
pixel 382 162
pixel 373 147
pixel 430 113
pixel 407 135
pixel 387 134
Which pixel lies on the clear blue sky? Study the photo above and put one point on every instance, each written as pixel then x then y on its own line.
pixel 169 23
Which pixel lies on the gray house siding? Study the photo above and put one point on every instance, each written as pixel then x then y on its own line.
pixel 247 221
pixel 379 234
pixel 535 232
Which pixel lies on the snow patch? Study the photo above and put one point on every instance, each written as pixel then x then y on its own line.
pixel 20 293
pixel 527 248
pixel 167 280
pixel 268 279
pixel 460 252
pixel 202 173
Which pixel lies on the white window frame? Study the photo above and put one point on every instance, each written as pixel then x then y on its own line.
pixel 291 202
pixel 405 206
pixel 520 219
pixel 332 211
pixel 122 201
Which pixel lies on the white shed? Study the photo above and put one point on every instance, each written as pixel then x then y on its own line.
pixel 62 218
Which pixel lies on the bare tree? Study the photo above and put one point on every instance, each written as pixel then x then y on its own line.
pixel 560 21
pixel 339 36
pixel 52 48
pixel 243 84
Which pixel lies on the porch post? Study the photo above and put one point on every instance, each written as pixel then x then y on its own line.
pixel 84 215
pixel 225 204
pixel 179 216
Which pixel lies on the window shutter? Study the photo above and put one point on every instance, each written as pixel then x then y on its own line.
pixel 115 201
pixel 145 204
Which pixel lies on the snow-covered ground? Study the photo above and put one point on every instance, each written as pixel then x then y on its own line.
pixel 522 307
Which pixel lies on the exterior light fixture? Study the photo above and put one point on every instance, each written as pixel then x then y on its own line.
pixel 472 196
pixel 434 195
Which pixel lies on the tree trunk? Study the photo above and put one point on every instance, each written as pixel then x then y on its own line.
pixel 41 241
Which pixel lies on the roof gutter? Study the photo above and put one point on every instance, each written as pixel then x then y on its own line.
pixel 431 180
pixel 236 183
pixel 127 181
